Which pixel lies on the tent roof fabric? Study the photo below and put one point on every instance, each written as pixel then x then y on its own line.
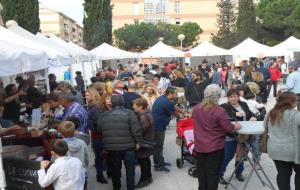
pixel 207 49
pixel 15 59
pixel 160 50
pixel 290 44
pixel 251 48
pixel 50 49
pixel 108 52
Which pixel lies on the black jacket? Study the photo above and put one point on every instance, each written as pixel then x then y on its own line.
pixel 194 93
pixel 120 129
pixel 94 112
pixel 179 82
pixel 232 111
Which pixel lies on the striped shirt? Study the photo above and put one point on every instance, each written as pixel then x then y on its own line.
pixel 77 110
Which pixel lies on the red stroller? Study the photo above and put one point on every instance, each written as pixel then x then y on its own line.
pixel 185 140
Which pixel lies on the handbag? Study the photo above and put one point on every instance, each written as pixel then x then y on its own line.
pixel 263 144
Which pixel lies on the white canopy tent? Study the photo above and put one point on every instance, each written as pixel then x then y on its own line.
pixel 10 37
pixel 108 52
pixel 161 50
pixel 19 55
pixel 85 61
pixel 78 53
pixel 15 59
pixel 289 46
pixel 250 48
pixel 207 49
pixel 58 56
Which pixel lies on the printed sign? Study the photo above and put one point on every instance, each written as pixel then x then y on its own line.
pixel 21 174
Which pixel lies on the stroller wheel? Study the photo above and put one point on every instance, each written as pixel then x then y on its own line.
pixel 193 172
pixel 179 163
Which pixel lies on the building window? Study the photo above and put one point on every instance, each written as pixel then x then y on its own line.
pixel 66 27
pixel 136 8
pixel 177 7
pixel 136 22
pixel 177 21
pixel 156 10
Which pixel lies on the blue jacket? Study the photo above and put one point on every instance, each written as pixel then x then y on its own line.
pixel 265 72
pixel 216 78
pixel 293 82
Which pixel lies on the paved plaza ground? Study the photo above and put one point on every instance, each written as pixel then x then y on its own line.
pixel 178 179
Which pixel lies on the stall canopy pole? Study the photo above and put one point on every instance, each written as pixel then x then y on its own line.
pixel 2 174
pixel 47 80
pixel 84 75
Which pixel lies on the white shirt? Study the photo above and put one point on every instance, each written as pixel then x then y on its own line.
pixel 254 106
pixel 284 68
pixel 163 84
pixel 66 173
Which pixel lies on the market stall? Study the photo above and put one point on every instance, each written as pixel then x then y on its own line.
pixel 208 51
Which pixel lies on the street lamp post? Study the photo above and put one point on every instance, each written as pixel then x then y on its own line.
pixel 181 37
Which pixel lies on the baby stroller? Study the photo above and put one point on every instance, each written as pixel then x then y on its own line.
pixel 185 140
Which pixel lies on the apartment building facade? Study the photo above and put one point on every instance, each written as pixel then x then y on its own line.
pixel 203 12
pixel 57 23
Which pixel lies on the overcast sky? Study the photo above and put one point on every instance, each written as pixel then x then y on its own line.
pixel 71 8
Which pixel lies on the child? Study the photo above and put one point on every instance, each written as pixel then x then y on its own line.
pixel 66 173
pixel 78 135
pixel 77 147
pixel 253 105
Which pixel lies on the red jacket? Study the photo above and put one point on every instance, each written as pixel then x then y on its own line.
pixel 275 73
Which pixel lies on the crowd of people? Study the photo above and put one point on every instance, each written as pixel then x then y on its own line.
pixel 124 115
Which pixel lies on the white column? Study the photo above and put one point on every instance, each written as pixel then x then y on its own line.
pixel 2 174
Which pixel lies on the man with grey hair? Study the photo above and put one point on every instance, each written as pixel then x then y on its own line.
pixel 130 95
pixel 65 86
pixel 121 137
pixel 74 109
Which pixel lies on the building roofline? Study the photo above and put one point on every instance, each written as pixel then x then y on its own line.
pixel 62 14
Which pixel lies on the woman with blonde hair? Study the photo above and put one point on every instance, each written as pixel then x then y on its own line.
pixel 211 124
pixel 258 78
pixel 150 95
pixel 283 146
pixel 101 89
pixel 95 109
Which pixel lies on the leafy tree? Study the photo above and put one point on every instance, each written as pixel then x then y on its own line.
pixel 278 19
pixel 97 23
pixel 191 30
pixel 144 35
pixel 139 36
pixel 246 20
pixel 225 36
pixel 24 12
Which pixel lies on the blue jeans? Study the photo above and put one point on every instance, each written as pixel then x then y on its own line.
pixel 255 147
pixel 6 123
pixel 97 146
pixel 115 165
pixel 230 149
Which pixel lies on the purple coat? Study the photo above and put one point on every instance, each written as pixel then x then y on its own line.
pixel 210 128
